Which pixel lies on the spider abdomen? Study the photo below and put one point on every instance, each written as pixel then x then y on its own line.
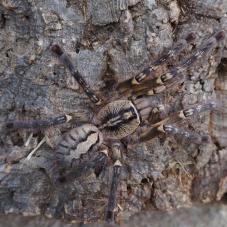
pixel 78 141
pixel 118 119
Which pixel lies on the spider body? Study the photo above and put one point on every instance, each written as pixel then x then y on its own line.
pixel 118 119
pixel 115 120
pixel 127 115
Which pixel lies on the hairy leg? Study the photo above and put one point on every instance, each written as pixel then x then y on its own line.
pixel 112 200
pixel 38 124
pixel 168 125
pixel 65 59
pixel 174 76
pixel 58 175
pixel 149 72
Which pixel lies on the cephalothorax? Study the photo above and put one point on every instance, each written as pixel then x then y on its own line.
pixel 127 116
pixel 118 119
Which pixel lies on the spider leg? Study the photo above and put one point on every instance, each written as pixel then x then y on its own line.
pixel 168 127
pixel 169 130
pixel 65 59
pixel 112 200
pixel 59 175
pixel 182 133
pixel 201 52
pixel 149 72
pixel 83 168
pixel 37 124
pixel 58 172
pixel 146 105
pixel 175 75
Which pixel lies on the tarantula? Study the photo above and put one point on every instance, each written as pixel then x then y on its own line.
pixel 127 116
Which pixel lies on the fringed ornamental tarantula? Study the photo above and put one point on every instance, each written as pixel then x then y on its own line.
pixel 127 116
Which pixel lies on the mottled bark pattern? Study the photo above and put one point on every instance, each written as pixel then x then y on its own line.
pixel 108 40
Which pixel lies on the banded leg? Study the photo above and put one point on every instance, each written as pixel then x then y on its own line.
pixel 38 124
pixel 182 133
pixel 176 75
pixel 167 126
pixel 112 200
pixel 147 105
pixel 65 59
pixel 149 72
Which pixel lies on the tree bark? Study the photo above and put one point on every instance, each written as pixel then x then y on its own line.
pixel 109 41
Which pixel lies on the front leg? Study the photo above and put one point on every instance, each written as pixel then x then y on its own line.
pixel 39 123
pixel 150 72
pixel 65 59
pixel 176 75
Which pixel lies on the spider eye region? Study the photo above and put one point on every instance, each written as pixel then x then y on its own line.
pixel 118 119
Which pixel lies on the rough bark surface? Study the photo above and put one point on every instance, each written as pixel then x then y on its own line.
pixel 208 215
pixel 109 40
